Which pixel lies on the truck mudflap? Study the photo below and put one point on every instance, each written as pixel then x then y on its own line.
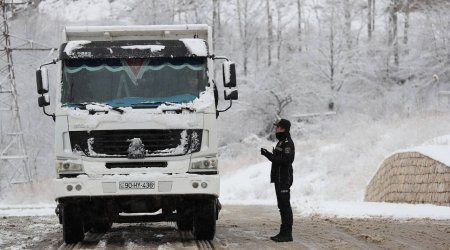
pixel 120 185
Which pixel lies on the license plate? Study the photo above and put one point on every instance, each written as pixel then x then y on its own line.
pixel 137 185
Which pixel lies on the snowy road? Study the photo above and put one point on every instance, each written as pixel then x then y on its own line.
pixel 239 227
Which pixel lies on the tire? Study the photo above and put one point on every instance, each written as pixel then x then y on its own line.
pixel 205 221
pixel 101 227
pixel 72 224
pixel 185 223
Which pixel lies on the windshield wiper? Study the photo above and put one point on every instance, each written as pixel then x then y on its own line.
pixel 83 105
pixel 74 104
pixel 149 104
pixel 121 111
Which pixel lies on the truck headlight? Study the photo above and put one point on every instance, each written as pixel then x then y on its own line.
pixel 207 164
pixel 69 167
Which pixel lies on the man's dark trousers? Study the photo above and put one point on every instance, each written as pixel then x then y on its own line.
pixel 284 204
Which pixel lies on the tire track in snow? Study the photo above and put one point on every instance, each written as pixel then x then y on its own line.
pixel 99 241
pixel 204 244
pixel 91 241
pixel 186 238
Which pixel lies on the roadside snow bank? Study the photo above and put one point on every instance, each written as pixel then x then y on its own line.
pixel 247 184
pixel 371 210
pixel 27 210
pixel 301 208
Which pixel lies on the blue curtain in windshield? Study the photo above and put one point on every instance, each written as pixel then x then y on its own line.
pixel 127 82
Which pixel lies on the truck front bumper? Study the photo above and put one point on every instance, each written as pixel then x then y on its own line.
pixel 123 185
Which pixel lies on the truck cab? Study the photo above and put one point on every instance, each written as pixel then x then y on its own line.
pixel 136 127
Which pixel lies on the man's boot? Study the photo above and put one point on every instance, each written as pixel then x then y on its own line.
pixel 278 235
pixel 284 236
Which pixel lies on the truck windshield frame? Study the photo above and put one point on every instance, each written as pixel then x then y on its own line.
pixel 143 82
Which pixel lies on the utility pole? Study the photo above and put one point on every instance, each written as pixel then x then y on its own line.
pixel 14 163
pixel 13 153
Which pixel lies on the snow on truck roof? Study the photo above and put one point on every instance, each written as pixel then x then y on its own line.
pixel 137 32
pixel 188 47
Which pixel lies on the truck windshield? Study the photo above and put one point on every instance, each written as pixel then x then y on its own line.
pixel 144 82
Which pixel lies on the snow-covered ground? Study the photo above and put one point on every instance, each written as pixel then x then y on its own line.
pixel 338 209
pixel 372 210
pixel 27 210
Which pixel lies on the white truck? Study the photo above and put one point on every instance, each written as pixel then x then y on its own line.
pixel 136 127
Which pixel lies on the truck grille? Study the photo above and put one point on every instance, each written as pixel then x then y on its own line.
pixel 135 144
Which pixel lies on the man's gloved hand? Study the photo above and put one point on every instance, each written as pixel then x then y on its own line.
pixel 264 152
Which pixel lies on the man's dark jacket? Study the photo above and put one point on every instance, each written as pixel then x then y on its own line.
pixel 282 157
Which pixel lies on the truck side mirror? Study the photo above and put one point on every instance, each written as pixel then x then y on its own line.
pixel 230 94
pixel 44 100
pixel 42 80
pixel 229 74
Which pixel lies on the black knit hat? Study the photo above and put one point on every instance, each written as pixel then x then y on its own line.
pixel 284 124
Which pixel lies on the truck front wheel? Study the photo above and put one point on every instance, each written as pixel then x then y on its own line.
pixel 101 227
pixel 205 221
pixel 185 223
pixel 72 224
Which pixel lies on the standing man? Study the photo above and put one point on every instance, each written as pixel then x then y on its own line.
pixel 281 174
